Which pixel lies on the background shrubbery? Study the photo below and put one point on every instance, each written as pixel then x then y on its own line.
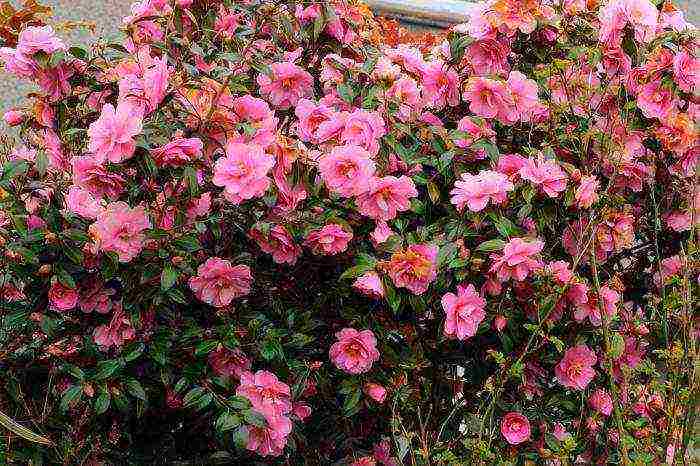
pixel 288 233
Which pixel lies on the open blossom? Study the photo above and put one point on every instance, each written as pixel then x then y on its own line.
pixel 364 129
pixel 229 363
pixel 269 441
pixel 489 98
pixel 347 170
pixel 575 370
pixel 331 239
pixel 546 174
pixel 81 202
pixel 586 192
pixel 256 120
pixel 96 297
pixel 277 242
pixel 440 84
pixel 268 395
pixel 117 332
pixel 656 101
pixel 386 197
pixel 242 172
pixel 524 94
pixel 218 282
pixel 598 305
pixel 355 351
pixel 415 268
pixel 35 39
pixel 464 311
pixel 112 134
pixel 375 391
pixel 95 178
pixel 517 260
pixel 312 117
pixel 178 152
pixel 515 428
pixel 686 71
pixel 601 401
pixel 475 191
pixel 119 229
pixel 370 285
pixel 61 297
pixel 287 84
pixel 489 56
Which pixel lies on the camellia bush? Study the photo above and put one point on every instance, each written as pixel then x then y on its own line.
pixel 287 232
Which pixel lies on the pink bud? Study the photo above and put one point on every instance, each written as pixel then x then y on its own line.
pixel 13 117
pixel 499 323
pixel 375 391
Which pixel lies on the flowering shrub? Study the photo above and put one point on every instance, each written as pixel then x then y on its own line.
pixel 288 233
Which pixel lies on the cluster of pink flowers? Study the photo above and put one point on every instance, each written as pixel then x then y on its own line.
pixel 475 191
pixel 507 101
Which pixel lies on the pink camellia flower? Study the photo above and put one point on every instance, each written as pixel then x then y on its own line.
pixel 515 428
pixel 277 242
pixel 524 94
pixel 96 297
pixel 440 85
pixel 601 401
pixel 286 85
pixel 545 173
pixel 354 352
pixel 178 152
pixel 347 170
pixel 370 285
pixel 81 202
pixel 669 267
pixel 119 229
pixel 517 261
pixel 415 268
pixel 227 21
pixel 375 391
pixel 61 297
pixel 678 221
pixel 242 172
pixel 686 71
pixel 13 117
pixel 489 56
pixel 311 118
pixel 363 128
pixel 329 240
pixel 489 98
pixel 35 39
pixel 575 370
pixel 301 410
pixel 229 363
pixel 94 177
pixel 656 101
pixel 269 441
pixel 475 191
pixel 465 311
pixel 268 395
pixel 112 134
pixel 119 330
pixel 386 197
pixel 218 282
pixel 586 192
pixel 594 309
pixel 257 121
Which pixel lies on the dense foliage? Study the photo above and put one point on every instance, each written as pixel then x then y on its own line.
pixel 289 233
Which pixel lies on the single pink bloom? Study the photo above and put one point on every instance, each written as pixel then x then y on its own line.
pixel 229 363
pixel 13 117
pixel 669 267
pixel 560 432
pixel 286 85
pixel 476 191
pixel 354 352
pixel 375 391
pixel 363 128
pixel 601 401
pixel 381 233
pixel 242 172
pixel 277 242
pixel 499 323
pixel 226 22
pixel 415 268
pixel 117 332
pixel 517 260
pixel 18 64
pixel 35 39
pixel 267 441
pixel 329 240
pixel 180 151
pixel 96 297
pixel 686 71
pixel 218 282
pixel 268 395
pixel 656 101
pixel 545 173
pixel 464 311
pixel 476 130
pixel 81 202
pixel 94 177
pixel 440 84
pixel 301 410
pixel 311 116
pixel 386 197
pixel 112 134
pixel 258 124
pixel 119 229
pixel 515 428
pixel 347 170
pixel 489 98
pixel 489 56
pixel 586 192
pixel 62 298
pixel 524 94
pixel 561 272
pixel 370 285
pixel 594 309
pixel 510 165
pixel 575 370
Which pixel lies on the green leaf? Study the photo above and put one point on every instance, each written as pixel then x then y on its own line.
pixel 106 369
pixel 254 418
pixel 346 93
pixel 168 277
pixel 79 52
pixel 490 148
pixel 205 347
pixel 64 277
pixel 192 397
pixel 102 402
pixel 351 402
pixel 187 243
pixel 41 162
pixel 491 245
pixel 70 397
pixel 227 421
pixel 135 388
pixel 13 169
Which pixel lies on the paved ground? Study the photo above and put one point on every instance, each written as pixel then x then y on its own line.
pixel 107 16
